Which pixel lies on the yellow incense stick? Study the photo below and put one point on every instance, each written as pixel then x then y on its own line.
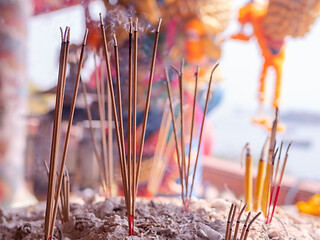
pixel 269 171
pixel 259 180
pixel 248 180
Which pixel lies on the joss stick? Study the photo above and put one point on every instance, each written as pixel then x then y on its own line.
pixel 116 56
pixel 279 182
pixel 175 136
pixel 64 155
pixel 238 221
pixel 273 183
pixel 134 114
pixel 103 128
pixel 110 140
pixel 129 120
pixel 114 110
pixel 248 179
pixel 202 126
pixel 61 197
pixel 182 148
pixel 269 170
pixel 146 110
pixel 248 228
pixel 229 222
pixel 259 180
pixel 232 220
pixel 192 125
pixel 245 226
pixel 56 127
pixel 95 146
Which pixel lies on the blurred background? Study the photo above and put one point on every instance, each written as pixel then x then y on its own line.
pixel 29 52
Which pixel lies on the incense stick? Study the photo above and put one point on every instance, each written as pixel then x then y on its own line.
pixel 110 140
pixel 175 136
pixel 279 182
pixel 103 128
pixel 64 156
pixel 201 128
pixel 192 125
pixel 130 122
pixel 229 221
pixel 248 179
pixel 146 110
pixel 56 128
pixel 232 220
pixel 134 113
pixel 182 147
pixel 272 195
pixel 259 180
pixel 114 110
pixel 245 226
pixel 251 222
pixel 269 170
pixel 238 221
pixel 124 163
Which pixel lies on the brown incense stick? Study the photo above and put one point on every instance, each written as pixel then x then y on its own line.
pixel 134 112
pixel 175 135
pixel 95 146
pixel 61 197
pixel 64 156
pixel 182 147
pixel 202 125
pixel 232 220
pixel 146 110
pixel 110 140
pixel 130 119
pixel 103 127
pixel 229 221
pixel 56 128
pixel 251 222
pixel 192 124
pixel 124 164
pixel 238 221
pixel 245 226
pixel 114 110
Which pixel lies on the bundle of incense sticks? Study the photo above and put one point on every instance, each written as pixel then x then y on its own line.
pixel 129 166
pixel 64 207
pixel 259 180
pixel 267 187
pixel 53 190
pixel 270 165
pixel 183 164
pixel 230 223
pixel 276 185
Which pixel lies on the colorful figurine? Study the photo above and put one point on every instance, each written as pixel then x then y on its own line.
pixel 272 21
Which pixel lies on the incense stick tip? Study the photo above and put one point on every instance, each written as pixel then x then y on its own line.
pixel 289 147
pixel 115 42
pixel 214 68
pixel 136 24
pixel 85 37
pixel 130 25
pixel 61 33
pixel 159 24
pixel 101 21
